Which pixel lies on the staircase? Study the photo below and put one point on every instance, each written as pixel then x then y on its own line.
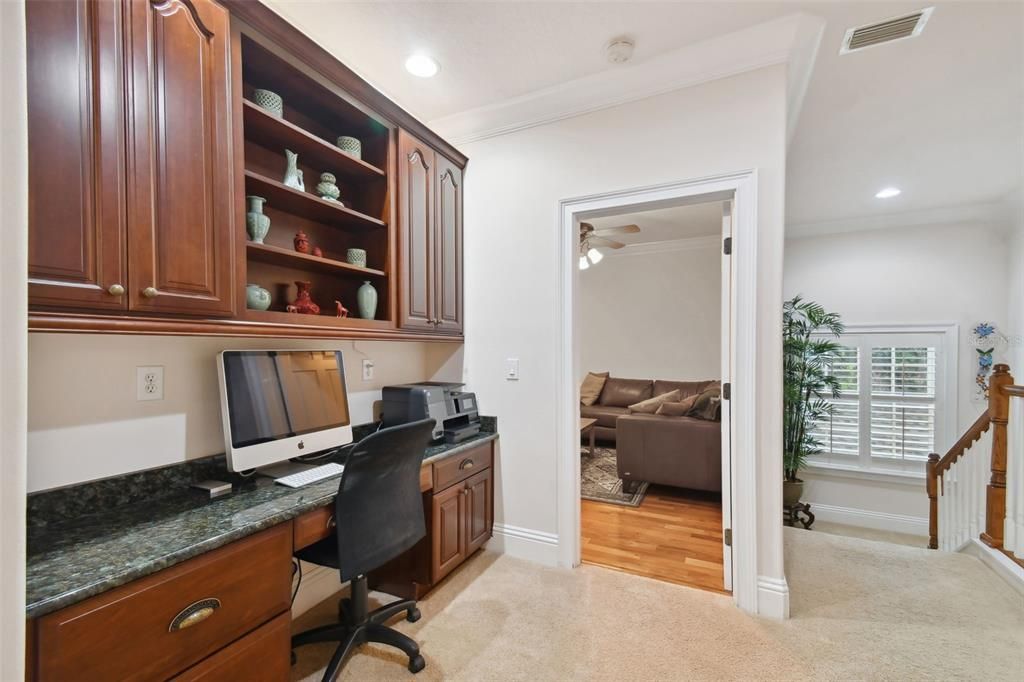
pixel 976 490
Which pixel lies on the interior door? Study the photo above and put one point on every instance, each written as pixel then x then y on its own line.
pixel 448 231
pixel 182 167
pixel 416 233
pixel 76 241
pixel 726 360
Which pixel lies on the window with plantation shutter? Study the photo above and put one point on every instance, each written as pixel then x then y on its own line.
pixel 897 399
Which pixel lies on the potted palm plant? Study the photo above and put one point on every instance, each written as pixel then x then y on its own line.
pixel 807 384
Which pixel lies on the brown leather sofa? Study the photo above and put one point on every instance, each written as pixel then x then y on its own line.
pixel 678 451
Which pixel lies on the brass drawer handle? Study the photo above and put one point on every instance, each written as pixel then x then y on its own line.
pixel 193 614
pixel 330 522
pixel 466 464
pixel 150 292
pixel 115 290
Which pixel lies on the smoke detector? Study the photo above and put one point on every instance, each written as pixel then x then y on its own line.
pixel 619 51
pixel 897 28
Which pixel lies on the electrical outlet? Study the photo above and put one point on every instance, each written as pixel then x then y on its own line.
pixel 367 370
pixel 149 383
pixel 512 369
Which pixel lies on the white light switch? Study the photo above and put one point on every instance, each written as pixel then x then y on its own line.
pixel 149 383
pixel 367 370
pixel 512 369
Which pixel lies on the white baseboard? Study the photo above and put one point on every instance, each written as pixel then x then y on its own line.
pixel 772 597
pixel 318 583
pixel 1001 564
pixel 897 523
pixel 525 543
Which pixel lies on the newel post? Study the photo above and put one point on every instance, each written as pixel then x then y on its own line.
pixel 995 498
pixel 931 480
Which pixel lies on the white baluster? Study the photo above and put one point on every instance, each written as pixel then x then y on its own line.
pixel 943 503
pixel 1013 527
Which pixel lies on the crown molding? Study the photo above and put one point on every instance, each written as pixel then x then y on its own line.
pixel 667 246
pixel 791 40
pixel 980 214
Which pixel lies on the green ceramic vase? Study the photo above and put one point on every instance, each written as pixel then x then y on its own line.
pixel 366 298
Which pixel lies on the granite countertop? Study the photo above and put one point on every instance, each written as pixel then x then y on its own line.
pixel 79 555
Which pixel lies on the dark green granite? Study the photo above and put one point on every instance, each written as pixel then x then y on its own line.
pixel 74 554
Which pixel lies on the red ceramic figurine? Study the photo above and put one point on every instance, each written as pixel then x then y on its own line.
pixel 342 310
pixel 303 304
pixel 301 242
pixel 318 252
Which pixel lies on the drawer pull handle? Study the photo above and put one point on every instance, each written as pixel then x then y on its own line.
pixel 193 614
pixel 330 522
pixel 466 464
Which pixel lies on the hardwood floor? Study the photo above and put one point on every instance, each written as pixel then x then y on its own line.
pixel 674 535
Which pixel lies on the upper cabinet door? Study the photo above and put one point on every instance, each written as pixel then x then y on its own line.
pixel 448 231
pixel 76 154
pixel 181 166
pixel 416 238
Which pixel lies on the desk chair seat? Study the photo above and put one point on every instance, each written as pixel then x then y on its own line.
pixel 378 515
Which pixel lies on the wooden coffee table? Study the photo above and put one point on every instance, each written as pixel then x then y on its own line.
pixel 587 426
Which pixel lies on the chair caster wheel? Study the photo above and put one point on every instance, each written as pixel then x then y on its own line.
pixel 416 664
pixel 412 615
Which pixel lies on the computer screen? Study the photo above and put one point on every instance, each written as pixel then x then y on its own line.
pixel 289 402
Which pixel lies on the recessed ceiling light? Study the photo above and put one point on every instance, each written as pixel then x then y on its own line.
pixel 421 65
pixel 888 193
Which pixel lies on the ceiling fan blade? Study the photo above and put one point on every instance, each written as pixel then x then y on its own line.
pixel 605 243
pixel 620 229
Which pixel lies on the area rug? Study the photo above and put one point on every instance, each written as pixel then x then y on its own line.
pixel 599 479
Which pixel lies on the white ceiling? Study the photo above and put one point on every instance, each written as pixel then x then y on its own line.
pixel 667 224
pixel 940 116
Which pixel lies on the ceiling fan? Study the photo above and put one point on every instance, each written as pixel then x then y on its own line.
pixel 592 239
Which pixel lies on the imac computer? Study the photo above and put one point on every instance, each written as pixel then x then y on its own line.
pixel 282 404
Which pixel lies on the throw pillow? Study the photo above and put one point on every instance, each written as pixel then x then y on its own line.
pixel 708 404
pixel 679 409
pixel 590 390
pixel 651 405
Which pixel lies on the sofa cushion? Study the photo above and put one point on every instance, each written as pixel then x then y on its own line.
pixel 604 414
pixel 708 405
pixel 677 409
pixel 590 390
pixel 625 392
pixel 651 405
pixel 687 388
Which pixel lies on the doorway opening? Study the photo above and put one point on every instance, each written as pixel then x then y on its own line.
pixel 653 359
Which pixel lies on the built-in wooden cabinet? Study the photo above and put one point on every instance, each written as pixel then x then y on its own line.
pixel 145 140
pixel 462 515
pixel 449 531
pixel 430 229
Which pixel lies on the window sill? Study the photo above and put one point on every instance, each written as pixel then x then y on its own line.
pixel 876 475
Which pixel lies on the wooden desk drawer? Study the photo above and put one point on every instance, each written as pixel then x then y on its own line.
pixel 139 631
pixel 261 655
pixel 314 526
pixel 459 467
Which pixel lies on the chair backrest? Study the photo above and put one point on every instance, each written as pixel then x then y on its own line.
pixel 379 508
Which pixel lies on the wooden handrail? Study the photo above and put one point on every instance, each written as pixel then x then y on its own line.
pixel 1014 390
pixel 972 434
pixel 936 467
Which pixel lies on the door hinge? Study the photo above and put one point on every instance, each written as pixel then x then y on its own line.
pixel 727 537
pixel 727 246
pixel 727 391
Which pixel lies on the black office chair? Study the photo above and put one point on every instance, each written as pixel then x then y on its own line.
pixel 378 515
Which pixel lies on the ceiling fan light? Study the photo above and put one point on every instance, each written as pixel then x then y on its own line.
pixel 594 255
pixel 584 264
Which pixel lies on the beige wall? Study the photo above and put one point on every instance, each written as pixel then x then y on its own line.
pixel 13 278
pixel 653 315
pixel 85 422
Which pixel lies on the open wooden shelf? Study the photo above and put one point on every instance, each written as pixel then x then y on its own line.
pixel 326 317
pixel 306 205
pixel 275 255
pixel 267 130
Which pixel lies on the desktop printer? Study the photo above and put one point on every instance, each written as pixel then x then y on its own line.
pixel 454 411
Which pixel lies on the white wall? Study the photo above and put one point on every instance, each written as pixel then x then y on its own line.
pixel 514 183
pixel 13 284
pixel 940 273
pixel 85 423
pixel 653 315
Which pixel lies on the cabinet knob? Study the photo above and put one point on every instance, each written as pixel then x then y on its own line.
pixel 115 290
pixel 150 292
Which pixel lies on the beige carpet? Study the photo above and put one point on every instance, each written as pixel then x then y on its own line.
pixel 861 610
pixel 871 534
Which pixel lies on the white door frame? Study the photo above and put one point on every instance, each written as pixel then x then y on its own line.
pixel 741 187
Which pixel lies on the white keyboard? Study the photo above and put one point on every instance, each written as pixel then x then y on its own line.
pixel 311 475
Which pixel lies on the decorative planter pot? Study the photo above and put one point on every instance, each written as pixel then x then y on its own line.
pixel 791 492
pixel 356 257
pixel 351 146
pixel 256 297
pixel 269 101
pixel 256 223
pixel 303 303
pixel 366 298
pixel 327 189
